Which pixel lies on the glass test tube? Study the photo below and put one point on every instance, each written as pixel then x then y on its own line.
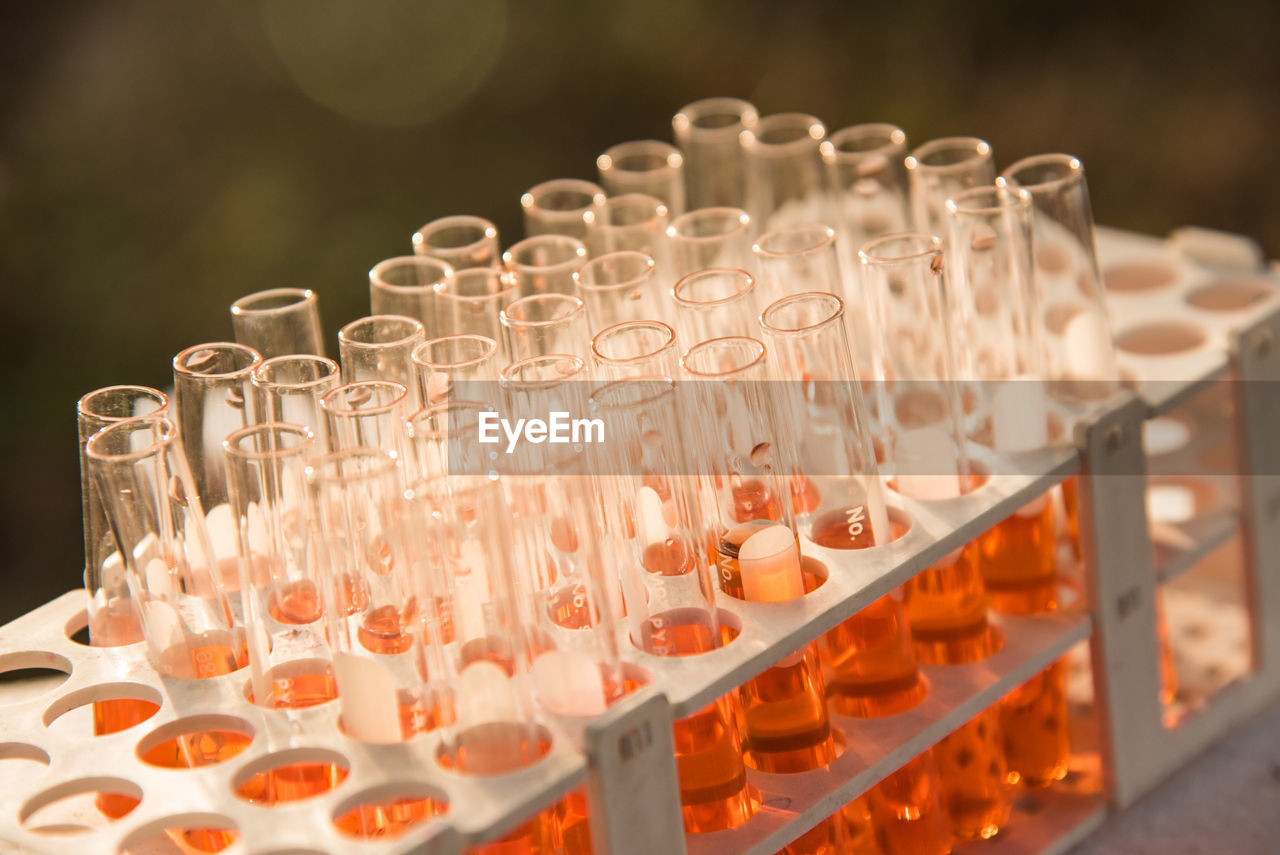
pixel 867 176
pixel 442 363
pixel 443 438
pixel 941 168
pixel 212 397
pixel 710 237
pixel 708 132
pixel 289 389
pixel 796 258
pixel 545 323
pixel 645 166
pixel 279 322
pixel 470 302
pixel 907 810
pixel 151 503
pixel 633 221
pixel 288 657
pixel 406 286
pixel 635 349
pixel 621 286
pixel 655 521
pixel 460 241
pixel 367 414
pixel 545 264
pixel 560 207
pixel 715 302
pixel 785 179
pixel 380 347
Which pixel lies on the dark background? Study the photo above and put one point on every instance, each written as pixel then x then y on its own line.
pixel 158 160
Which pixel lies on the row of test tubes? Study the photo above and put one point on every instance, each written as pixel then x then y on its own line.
pixel 759 336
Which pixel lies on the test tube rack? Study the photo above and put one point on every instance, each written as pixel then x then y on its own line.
pixel 625 757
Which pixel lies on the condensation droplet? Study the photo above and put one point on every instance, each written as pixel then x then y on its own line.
pixel 201 359
pixel 761 454
pixel 935 266
pixel 177 491
pixel 357 398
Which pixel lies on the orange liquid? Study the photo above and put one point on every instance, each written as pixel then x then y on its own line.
pixel 860 834
pixel 291 783
pixel 115 805
pixel 538 836
pixel 295 603
pixel 907 813
pixel 1033 720
pixel 826 838
pixel 111 717
pixel 210 654
pixel 671 557
pixel 1018 561
pixel 383 629
pixel 786 714
pixel 571 608
pixel 1168 666
pixel 713 779
pixel 299 691
pixel 971 767
pixel 388 819
pixel 726 557
pixel 946 607
pixel 1071 501
pixel 202 839
pixel 874 663
pixel 202 748
pixel 850 529
pixel 573 822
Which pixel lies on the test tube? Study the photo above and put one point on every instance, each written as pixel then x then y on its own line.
pixel 289 389
pixel 443 363
pixel 635 349
pixel 545 323
pixel 279 322
pixel 621 286
pixel 633 221
pixel 867 176
pixel 460 241
pixel 212 397
pixel 155 514
pixel 444 438
pixel 288 657
pixel 941 168
pixel 707 132
pixel 645 166
pixel 715 302
pixel 406 286
pixel 545 264
pixel 367 414
pixel 907 810
pixel 560 207
pixel 785 179
pixel 380 347
pixel 1035 727
pixel 710 237
pixel 1081 356
pixel 655 519
pixel 470 302
pixel 796 258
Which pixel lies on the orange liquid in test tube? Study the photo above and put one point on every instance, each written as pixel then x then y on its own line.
pixel 1033 720
pixel 974 776
pixel 860 833
pixel 907 811
pixel 874 663
pixel 946 607
pixel 1018 560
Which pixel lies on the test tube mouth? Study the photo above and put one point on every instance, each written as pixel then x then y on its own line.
pixel 784 134
pixel 620 269
pixel 715 117
pixel 901 247
pixel 296 371
pixel 455 351
pixel 271 301
pixel 116 443
pixel 627 210
pixel 350 466
pixel 797 314
pixel 949 154
pixel 709 224
pixel 541 310
pixel 477 285
pixel 380 331
pixel 542 372
pixel 650 338
pixel 640 157
pixel 723 358
pixel 117 403
pixel 1044 172
pixel 267 441
pixel 623 395
pixel 860 142
pixel 989 199
pixel 438 420
pixel 546 253
pixel 699 289
pixel 456 233
pixel 365 398
pixel 565 195
pixel 410 273
pixel 216 360
pixel 798 239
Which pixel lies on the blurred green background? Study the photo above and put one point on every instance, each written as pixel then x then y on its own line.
pixel 158 160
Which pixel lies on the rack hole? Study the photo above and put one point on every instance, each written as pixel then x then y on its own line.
pixel 103 709
pixel 1161 338
pixel 77 628
pixel 297 685
pixel 202 740
pixel 1139 276
pixel 684 631
pixel 846 529
pixel 290 776
pixel 495 748
pixel 20 764
pixel 74 807
pixel 1231 295
pixel 31 673
pixel 389 811
pixel 190 832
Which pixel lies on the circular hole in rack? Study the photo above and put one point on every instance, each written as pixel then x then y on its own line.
pixel 414 717
pixel 77 628
pixel 102 709
pixel 389 811
pixel 685 632
pixel 1161 338
pixel 74 807
pixel 190 832
pixel 298 684
pixel 1165 435
pixel 20 763
pixel 495 748
pixel 29 674
pixel 1231 295
pixel 201 740
pixel 290 776
pixel 1173 499
pixel 849 529
pixel 1138 276
pixel 117 617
